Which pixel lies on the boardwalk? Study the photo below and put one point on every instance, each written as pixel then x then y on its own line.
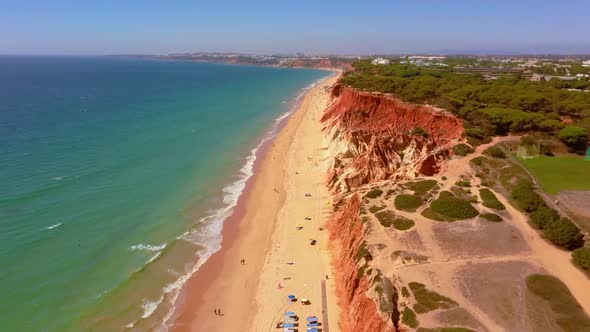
pixel 325 325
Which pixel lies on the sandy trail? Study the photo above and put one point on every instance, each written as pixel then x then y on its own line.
pixel 262 231
pixel 440 271
pixel 556 261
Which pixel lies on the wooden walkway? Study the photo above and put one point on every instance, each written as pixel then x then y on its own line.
pixel 325 324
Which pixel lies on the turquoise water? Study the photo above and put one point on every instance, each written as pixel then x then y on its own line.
pixel 115 176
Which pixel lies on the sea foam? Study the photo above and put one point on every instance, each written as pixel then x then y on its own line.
pixel 148 247
pixel 208 235
pixel 53 226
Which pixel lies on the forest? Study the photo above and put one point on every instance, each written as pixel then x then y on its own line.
pixel 510 103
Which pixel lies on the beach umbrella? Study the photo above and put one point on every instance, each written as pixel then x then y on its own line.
pixel 291 297
pixel 289 313
pixel 312 319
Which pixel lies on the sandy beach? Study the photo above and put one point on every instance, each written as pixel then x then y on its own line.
pixel 288 189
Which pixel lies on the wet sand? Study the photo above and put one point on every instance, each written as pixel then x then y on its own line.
pixel 262 231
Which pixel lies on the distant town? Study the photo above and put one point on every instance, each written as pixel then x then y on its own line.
pixel 534 67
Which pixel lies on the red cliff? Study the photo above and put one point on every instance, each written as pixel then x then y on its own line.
pixel 359 313
pixel 377 137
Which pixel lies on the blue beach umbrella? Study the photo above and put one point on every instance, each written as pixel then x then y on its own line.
pixel 289 313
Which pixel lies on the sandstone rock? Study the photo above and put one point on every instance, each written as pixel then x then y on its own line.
pixel 377 137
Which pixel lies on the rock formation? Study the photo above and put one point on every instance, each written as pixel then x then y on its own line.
pixel 359 311
pixel 376 137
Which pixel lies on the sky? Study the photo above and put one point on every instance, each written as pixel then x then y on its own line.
pixel 313 27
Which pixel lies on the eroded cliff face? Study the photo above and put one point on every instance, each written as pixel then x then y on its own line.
pixel 376 137
pixel 359 312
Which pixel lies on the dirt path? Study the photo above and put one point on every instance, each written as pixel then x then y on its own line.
pixel 556 261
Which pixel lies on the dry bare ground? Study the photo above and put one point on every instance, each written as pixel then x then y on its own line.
pixel 480 265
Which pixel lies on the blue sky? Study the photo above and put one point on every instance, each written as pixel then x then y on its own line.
pixel 320 26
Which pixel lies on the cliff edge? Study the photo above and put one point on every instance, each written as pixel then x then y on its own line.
pixel 376 137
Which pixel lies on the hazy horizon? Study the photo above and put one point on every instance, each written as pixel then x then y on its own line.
pixel 374 27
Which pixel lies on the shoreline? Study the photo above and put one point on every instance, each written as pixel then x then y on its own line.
pixel 243 235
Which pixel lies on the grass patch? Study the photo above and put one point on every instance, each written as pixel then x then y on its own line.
pixel 490 200
pixel 550 172
pixel 491 217
pixel 409 318
pixel 421 187
pixel 428 300
pixel 567 313
pixel 374 193
pixel 374 209
pixel 407 202
pixel 453 208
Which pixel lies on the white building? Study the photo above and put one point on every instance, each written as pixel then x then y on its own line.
pixel 380 61
pixel 586 63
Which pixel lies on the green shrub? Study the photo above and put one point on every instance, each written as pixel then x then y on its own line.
pixel 478 160
pixel 495 152
pixel 564 233
pixel 462 149
pixel 574 137
pixel 374 193
pixel 444 178
pixel 363 252
pixel 528 140
pixel 405 292
pixel 421 187
pixel 409 318
pixel 428 300
pixel 419 131
pixel 526 198
pixel 551 125
pixel 463 183
pixel 581 257
pixel 374 209
pixel 385 218
pixel 542 216
pixel 445 194
pixel 402 224
pixel 490 200
pixel 407 202
pixel 567 312
pixel 454 208
pixel 491 217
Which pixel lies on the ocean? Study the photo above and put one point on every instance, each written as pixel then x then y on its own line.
pixel 116 175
